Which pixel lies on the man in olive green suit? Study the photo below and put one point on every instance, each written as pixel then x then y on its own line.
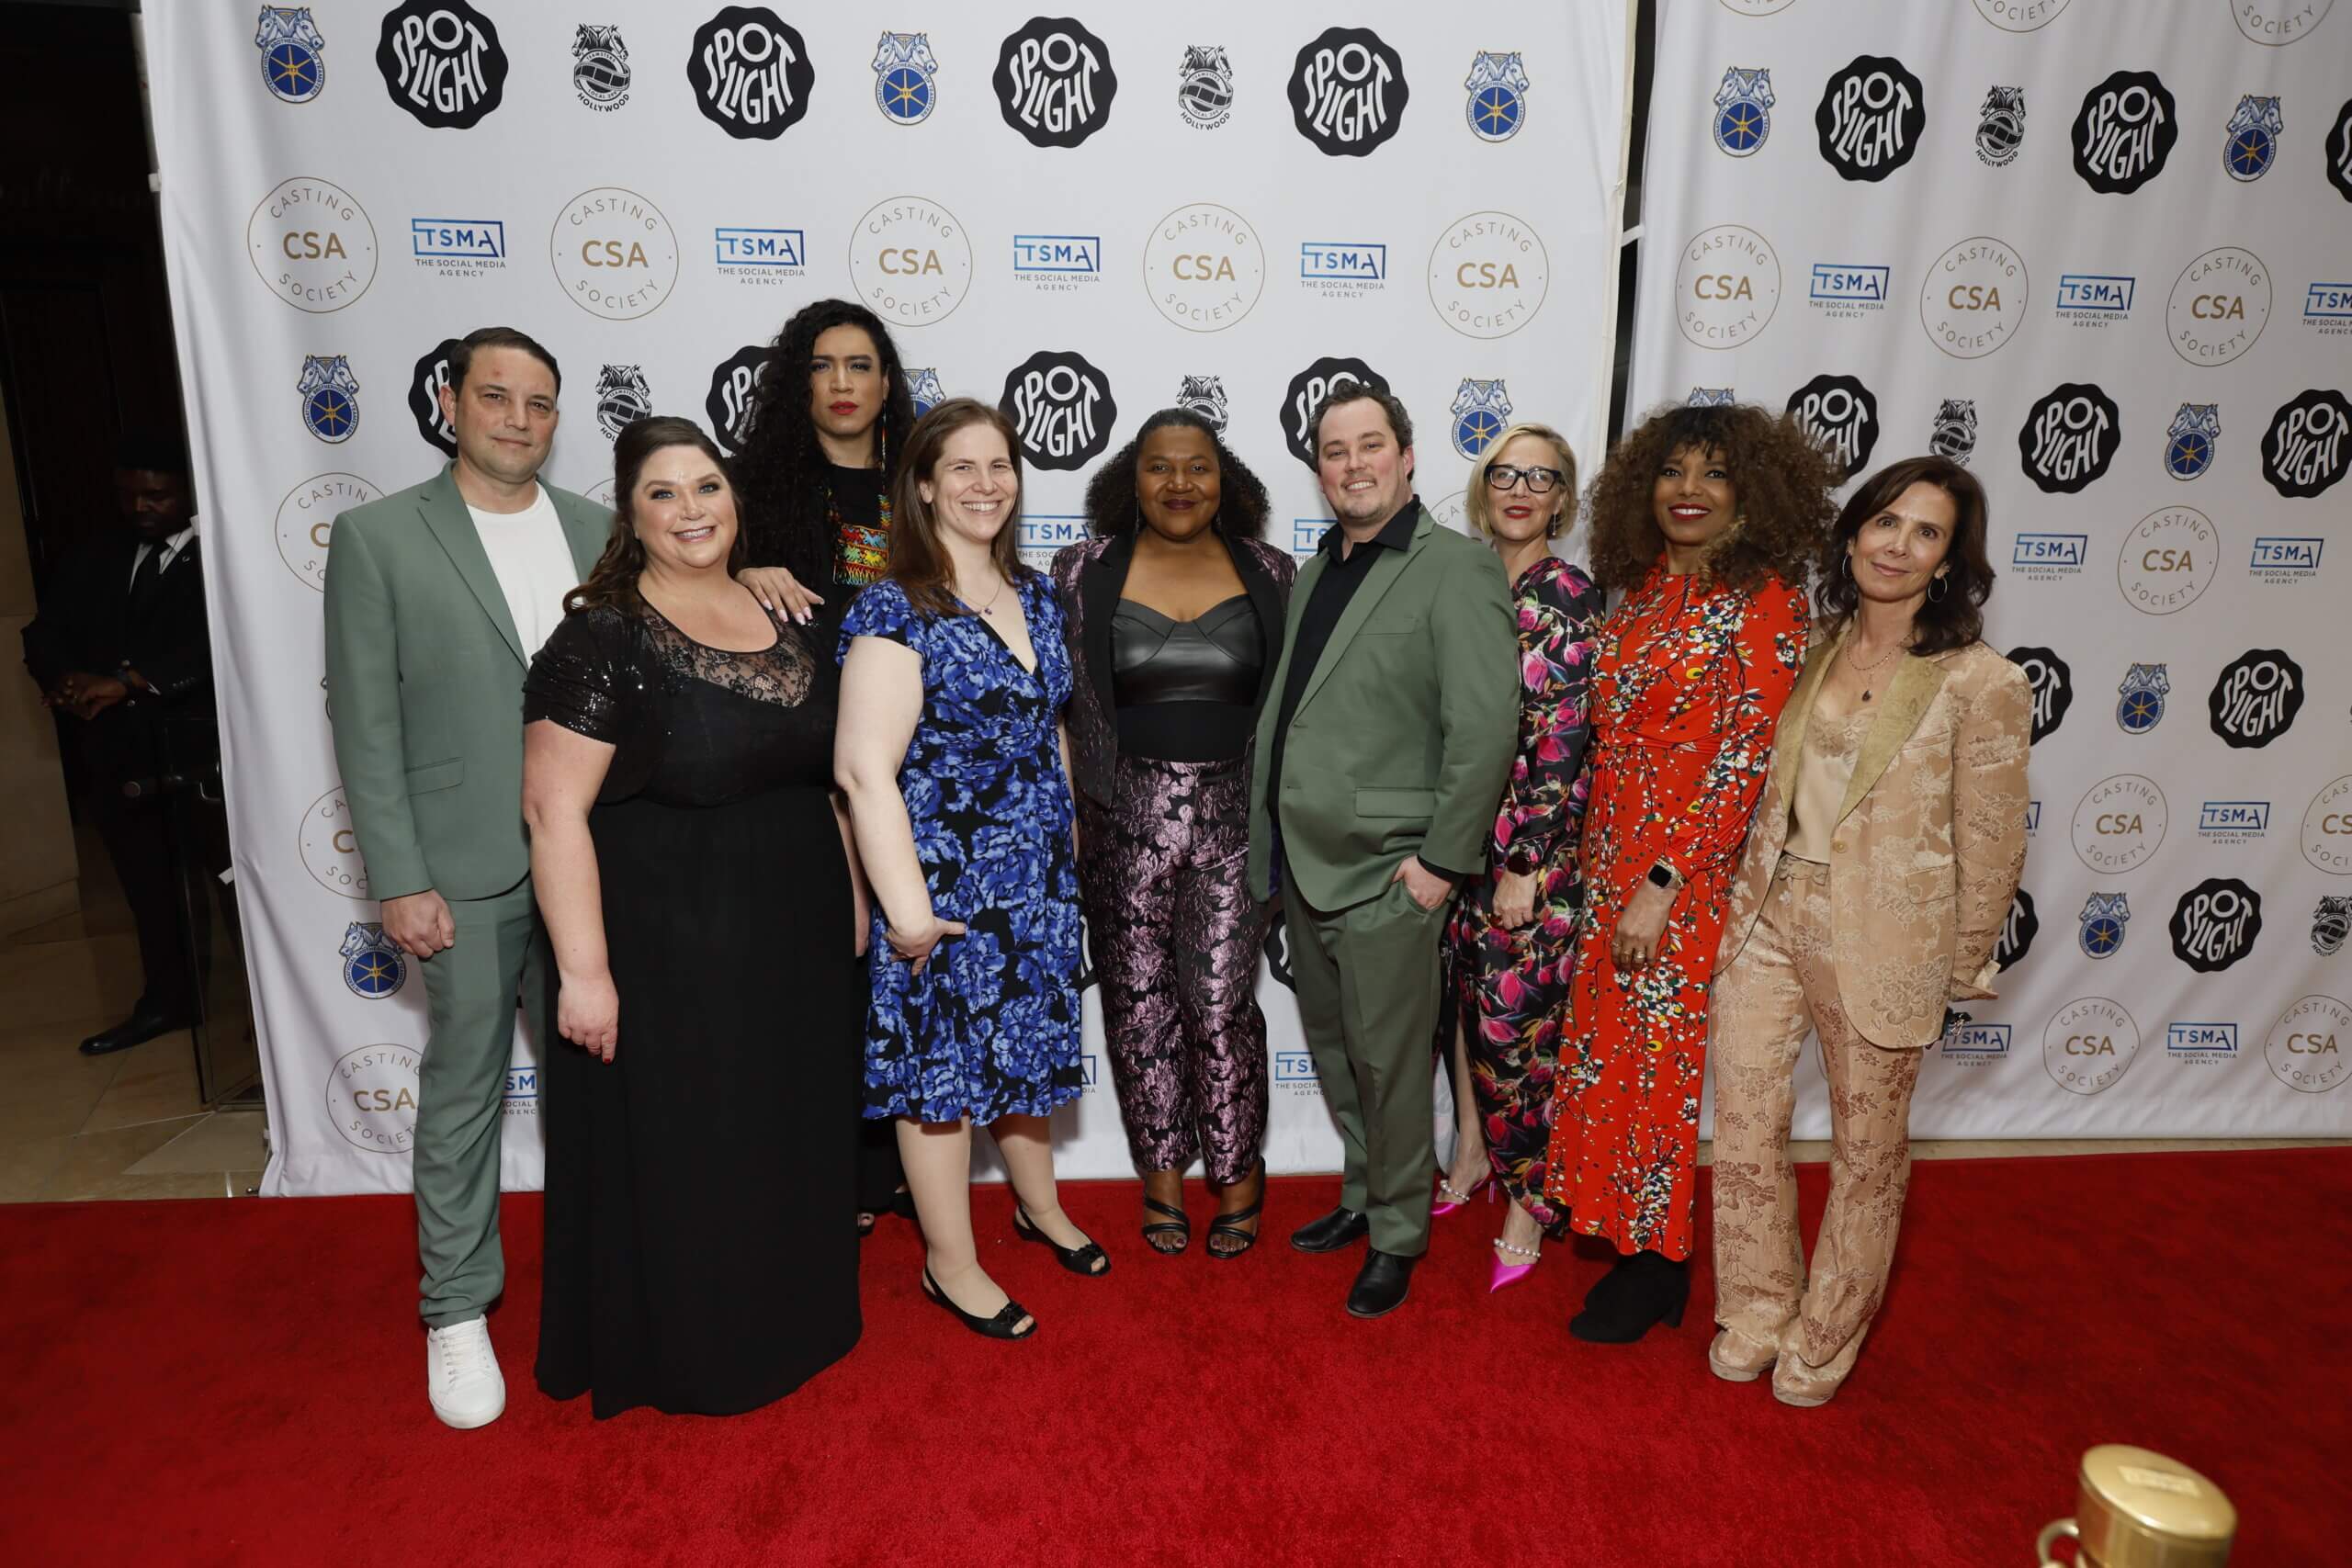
pixel 1379 770
pixel 436 598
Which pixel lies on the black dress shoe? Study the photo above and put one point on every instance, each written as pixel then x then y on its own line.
pixel 1641 1289
pixel 1380 1283
pixel 1332 1232
pixel 142 1025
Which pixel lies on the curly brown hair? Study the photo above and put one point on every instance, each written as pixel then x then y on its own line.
pixel 1781 479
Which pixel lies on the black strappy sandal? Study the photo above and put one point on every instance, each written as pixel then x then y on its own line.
pixel 1230 1224
pixel 1077 1259
pixel 1178 1224
pixel 997 1327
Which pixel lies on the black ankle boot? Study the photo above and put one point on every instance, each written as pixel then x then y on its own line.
pixel 1641 1289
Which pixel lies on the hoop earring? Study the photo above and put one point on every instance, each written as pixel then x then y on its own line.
pixel 1846 564
pixel 1934 597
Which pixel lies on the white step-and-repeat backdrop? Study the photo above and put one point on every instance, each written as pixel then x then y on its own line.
pixel 2102 251
pixel 1225 204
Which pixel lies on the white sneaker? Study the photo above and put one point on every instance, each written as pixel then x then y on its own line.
pixel 463 1376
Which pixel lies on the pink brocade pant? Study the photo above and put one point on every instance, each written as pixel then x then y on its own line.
pixel 1175 937
pixel 1781 984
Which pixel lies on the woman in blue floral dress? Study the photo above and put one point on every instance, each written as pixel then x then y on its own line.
pixel 950 753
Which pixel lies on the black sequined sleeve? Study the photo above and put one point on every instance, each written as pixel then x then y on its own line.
pixel 580 677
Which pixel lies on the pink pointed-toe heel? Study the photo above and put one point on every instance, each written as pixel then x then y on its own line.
pixel 1453 1200
pixel 1507 1273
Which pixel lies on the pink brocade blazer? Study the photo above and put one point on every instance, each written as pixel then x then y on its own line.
pixel 1929 839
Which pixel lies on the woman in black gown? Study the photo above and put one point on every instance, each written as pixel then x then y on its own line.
pixel 691 860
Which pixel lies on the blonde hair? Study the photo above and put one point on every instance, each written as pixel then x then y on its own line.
pixel 1475 503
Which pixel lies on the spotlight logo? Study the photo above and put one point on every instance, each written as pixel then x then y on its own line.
pixel 2069 437
pixel 1062 409
pixel 1347 92
pixel 371 1098
pixel 613 253
pixel 1204 267
pixel 312 245
pixel 2124 131
pixel 1054 82
pixel 728 405
pixel 911 261
pixel 1726 285
pixel 2255 698
pixel 441 62
pixel 2090 1045
pixel 425 384
pixel 2018 931
pixel 306 521
pixel 1841 415
pixel 1302 399
pixel 2054 687
pixel 2215 924
pixel 1870 118
pixel 2304 449
pixel 750 73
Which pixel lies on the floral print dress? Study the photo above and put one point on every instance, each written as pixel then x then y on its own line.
pixel 1510 988
pixel 1689 678
pixel 992 1026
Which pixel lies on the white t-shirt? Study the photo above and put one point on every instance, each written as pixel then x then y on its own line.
pixel 532 560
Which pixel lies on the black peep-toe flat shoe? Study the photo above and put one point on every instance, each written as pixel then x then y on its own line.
pixel 1077 1259
pixel 997 1327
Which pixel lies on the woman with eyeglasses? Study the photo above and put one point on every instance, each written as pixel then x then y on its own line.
pixel 1512 933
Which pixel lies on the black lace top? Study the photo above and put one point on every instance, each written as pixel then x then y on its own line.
pixel 691 725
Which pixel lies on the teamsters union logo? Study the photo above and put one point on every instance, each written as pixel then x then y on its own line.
pixel 622 399
pixel 903 69
pixel 1954 434
pixel 1204 396
pixel 293 54
pixel 1498 87
pixel 1481 409
pixel 924 388
pixel 2141 705
pixel 2331 923
pixel 2251 144
pixel 2001 130
pixel 2104 916
pixel 1743 111
pixel 2188 445
pixel 1205 86
pixel 1710 398
pixel 329 396
pixel 372 966
pixel 600 67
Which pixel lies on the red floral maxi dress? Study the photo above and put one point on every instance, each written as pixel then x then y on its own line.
pixel 1688 683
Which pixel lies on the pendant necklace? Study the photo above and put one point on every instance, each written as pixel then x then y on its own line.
pixel 1866 671
pixel 988 609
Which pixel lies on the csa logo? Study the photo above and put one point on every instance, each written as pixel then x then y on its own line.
pixel 293 54
pixel 372 966
pixel 1205 86
pixel 2251 144
pixel 1303 399
pixel 2119 823
pixel 2339 153
pixel 728 403
pixel 1204 267
pixel 425 384
pixel 750 73
pixel 2124 132
pixel 2331 923
pixel 1498 89
pixel 2016 932
pixel 2327 828
pixel 600 67
pixel 2278 22
pixel 331 849
pixel 1062 409
pixel 312 245
pixel 2020 16
pixel 2140 707
pixel 1726 285
pixel 1203 396
pixel 2188 445
pixel 1841 415
pixel 1710 398
pixel 2200 1042
pixel 1489 274
pixel 2215 923
pixel 903 71
pixel 924 388
pixel 1054 82
pixel 1347 92
pixel 2104 916
pixel 2255 698
pixel 2069 438
pixel 622 398
pixel 330 397
pixel 2001 129
pixel 2306 1045
pixel 441 61
pixel 615 253
pixel 2220 304
pixel 371 1096
pixel 306 521
pixel 1870 118
pixel 2167 560
pixel 1743 112
pixel 1481 412
pixel 2090 1045
pixel 1953 434
pixel 2054 687
pixel 1974 297
pixel 2305 450
pixel 909 261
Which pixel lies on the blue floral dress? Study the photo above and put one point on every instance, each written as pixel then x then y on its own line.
pixel 991 1027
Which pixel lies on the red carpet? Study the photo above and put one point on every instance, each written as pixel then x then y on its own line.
pixel 200 1383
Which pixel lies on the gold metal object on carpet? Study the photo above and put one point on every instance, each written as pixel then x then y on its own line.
pixel 2138 1509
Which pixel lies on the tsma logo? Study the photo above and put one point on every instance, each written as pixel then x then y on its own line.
pixel 1306 535
pixel 2205 1042
pixel 763 249
pixel 2032 816
pixel 1847 288
pixel 1329 260
pixel 1295 1068
pixel 1062 254
pixel 1043 534
pixel 2233 822
pixel 2050 555
pixel 2277 559
pixel 2095 297
pixel 2327 307
pixel 1975 1044
pixel 522 1083
pixel 473 242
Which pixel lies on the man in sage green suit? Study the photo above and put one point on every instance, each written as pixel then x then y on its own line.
pixel 1378 772
pixel 436 598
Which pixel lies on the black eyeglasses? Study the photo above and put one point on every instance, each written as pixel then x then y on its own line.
pixel 1502 476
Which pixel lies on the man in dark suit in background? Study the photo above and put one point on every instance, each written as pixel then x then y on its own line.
pixel 120 646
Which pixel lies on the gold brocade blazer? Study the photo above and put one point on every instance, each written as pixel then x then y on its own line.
pixel 1930 839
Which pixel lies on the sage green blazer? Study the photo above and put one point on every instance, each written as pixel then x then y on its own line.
pixel 425 689
pixel 1403 736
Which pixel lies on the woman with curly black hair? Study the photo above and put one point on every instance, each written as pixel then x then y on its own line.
pixel 1708 521
pixel 1173 612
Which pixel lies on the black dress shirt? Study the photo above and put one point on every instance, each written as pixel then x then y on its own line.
pixel 1343 573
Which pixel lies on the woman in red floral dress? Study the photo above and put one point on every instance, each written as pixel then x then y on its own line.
pixel 1708 520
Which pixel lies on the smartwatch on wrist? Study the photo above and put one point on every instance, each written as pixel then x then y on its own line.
pixel 1664 875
